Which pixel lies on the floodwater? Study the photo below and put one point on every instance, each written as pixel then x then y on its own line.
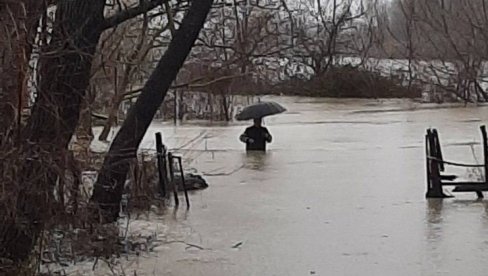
pixel 340 192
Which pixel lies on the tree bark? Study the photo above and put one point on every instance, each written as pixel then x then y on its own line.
pixel 18 20
pixel 110 183
pixel 65 71
pixel 65 66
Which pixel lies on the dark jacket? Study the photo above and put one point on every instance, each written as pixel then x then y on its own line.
pixel 256 138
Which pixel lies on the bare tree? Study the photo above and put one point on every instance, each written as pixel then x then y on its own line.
pixel 327 33
pixel 65 65
pixel 138 40
pixel 232 55
pixel 240 34
pixel 18 20
pixel 450 36
pixel 403 31
pixel 110 183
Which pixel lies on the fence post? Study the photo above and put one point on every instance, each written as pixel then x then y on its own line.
pixel 485 157
pixel 183 183
pixel 172 175
pixel 438 150
pixel 427 162
pixel 485 150
pixel 435 182
pixel 161 156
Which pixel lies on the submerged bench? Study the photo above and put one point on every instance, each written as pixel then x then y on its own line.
pixel 436 166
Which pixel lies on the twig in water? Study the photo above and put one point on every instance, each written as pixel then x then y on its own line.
pixel 194 245
pixel 189 245
pixel 225 173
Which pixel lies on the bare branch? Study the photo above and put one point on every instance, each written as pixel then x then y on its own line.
pixel 143 7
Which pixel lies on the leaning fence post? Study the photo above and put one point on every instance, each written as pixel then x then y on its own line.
pixel 161 164
pixel 172 175
pixel 183 183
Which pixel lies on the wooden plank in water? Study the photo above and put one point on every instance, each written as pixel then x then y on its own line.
pixel 464 184
pixel 470 188
pixel 449 177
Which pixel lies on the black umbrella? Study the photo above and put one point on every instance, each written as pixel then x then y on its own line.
pixel 259 110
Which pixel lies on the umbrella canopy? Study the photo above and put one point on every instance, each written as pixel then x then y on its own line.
pixel 259 110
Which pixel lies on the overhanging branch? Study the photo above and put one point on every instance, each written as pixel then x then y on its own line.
pixel 192 84
pixel 143 7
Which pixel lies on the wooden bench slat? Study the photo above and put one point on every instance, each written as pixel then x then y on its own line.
pixel 464 183
pixel 449 177
pixel 456 164
pixel 471 188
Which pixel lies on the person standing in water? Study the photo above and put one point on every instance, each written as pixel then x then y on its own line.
pixel 256 136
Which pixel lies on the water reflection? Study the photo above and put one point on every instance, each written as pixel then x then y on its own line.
pixel 435 216
pixel 434 220
pixel 256 160
pixel 484 216
pixel 434 210
pixel 434 234
pixel 485 207
pixel 180 214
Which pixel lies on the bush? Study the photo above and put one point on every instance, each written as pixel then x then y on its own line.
pixel 348 82
pixel 63 229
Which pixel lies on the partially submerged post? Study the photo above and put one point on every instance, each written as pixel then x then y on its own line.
pixel 183 183
pixel 172 176
pixel 434 167
pixel 161 157
pixel 166 163
pixel 485 157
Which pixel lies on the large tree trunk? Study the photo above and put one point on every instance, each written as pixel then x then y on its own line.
pixel 110 183
pixel 18 20
pixel 65 71
pixel 65 67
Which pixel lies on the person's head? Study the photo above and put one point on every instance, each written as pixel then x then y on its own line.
pixel 258 122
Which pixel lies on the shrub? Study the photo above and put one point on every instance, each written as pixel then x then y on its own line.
pixel 348 82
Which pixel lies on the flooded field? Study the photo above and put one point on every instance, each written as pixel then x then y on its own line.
pixel 341 192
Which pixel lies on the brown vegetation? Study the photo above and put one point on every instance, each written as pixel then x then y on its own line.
pixel 348 82
pixel 34 166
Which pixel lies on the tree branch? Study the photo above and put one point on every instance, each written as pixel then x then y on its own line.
pixel 143 7
pixel 108 190
pixel 201 85
pixel 192 84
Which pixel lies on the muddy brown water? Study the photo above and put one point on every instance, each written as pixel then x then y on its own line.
pixel 340 192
